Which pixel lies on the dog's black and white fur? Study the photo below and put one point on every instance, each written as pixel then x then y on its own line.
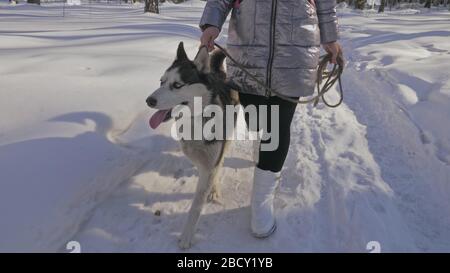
pixel 185 79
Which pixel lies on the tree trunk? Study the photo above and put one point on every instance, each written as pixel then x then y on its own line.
pixel 381 8
pixel 151 6
pixel 34 2
pixel 428 4
pixel 394 3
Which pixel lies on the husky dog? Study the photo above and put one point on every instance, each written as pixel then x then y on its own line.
pixel 203 77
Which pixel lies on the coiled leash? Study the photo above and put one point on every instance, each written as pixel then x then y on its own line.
pixel 330 77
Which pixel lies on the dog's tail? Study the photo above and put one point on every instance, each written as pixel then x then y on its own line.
pixel 216 63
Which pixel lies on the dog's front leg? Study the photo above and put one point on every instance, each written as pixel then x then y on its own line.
pixel 205 182
pixel 215 193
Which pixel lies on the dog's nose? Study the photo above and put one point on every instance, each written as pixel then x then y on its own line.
pixel 151 102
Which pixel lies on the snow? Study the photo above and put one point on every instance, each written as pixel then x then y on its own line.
pixel 79 163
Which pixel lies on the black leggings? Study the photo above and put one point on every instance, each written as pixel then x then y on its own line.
pixel 272 160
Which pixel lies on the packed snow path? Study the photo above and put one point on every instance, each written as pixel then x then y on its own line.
pixel 375 169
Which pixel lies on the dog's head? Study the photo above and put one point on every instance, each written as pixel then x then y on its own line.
pixel 182 81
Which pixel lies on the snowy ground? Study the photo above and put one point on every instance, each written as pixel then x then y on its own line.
pixel 78 162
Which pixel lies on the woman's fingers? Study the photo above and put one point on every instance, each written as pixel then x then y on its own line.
pixel 204 40
pixel 208 41
pixel 211 45
pixel 208 37
pixel 333 51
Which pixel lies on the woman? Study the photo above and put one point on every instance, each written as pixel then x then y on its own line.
pixel 279 42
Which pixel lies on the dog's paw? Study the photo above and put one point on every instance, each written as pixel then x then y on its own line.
pixel 184 242
pixel 214 196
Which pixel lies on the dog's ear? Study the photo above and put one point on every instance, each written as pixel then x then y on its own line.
pixel 181 53
pixel 201 61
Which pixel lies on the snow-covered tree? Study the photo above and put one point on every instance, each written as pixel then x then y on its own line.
pixel 360 4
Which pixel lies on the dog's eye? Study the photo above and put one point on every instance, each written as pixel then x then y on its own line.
pixel 178 85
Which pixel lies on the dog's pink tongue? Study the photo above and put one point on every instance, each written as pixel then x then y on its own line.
pixel 157 118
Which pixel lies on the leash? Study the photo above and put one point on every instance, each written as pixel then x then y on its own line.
pixel 331 77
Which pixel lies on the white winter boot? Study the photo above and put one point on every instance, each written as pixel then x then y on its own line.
pixel 264 186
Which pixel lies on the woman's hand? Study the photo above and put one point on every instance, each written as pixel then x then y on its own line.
pixel 334 48
pixel 208 37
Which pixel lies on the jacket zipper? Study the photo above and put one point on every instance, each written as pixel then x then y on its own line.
pixel 271 47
